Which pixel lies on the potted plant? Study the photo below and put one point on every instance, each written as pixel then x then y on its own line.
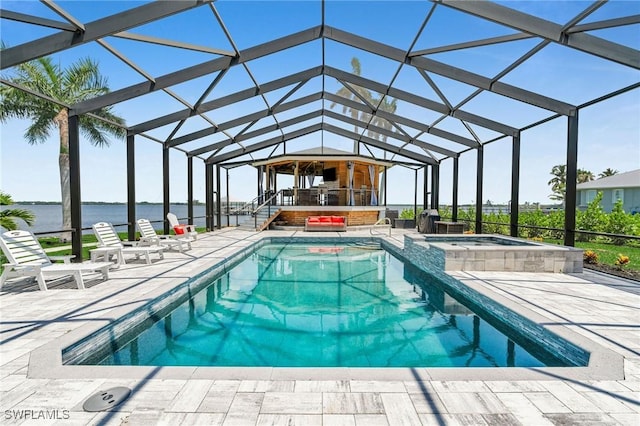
pixel 407 219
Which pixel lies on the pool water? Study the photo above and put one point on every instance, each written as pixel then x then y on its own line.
pixel 310 305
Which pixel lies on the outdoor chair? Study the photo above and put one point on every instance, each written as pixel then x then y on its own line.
pixel 148 236
pixel 27 258
pixel 110 243
pixel 181 229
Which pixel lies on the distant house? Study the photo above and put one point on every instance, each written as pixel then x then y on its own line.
pixel 623 186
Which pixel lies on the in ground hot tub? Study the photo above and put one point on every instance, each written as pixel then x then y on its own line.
pixel 491 253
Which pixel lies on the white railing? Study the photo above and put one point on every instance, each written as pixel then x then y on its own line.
pixel 385 222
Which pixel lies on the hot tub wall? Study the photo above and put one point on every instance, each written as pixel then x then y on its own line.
pixel 527 258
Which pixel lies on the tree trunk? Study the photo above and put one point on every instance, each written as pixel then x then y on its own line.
pixel 62 120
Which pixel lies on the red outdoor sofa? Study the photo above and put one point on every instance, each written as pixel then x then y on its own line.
pixel 325 223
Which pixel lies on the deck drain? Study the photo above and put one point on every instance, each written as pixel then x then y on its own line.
pixel 106 399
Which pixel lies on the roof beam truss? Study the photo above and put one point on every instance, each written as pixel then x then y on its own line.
pixel 94 30
pixel 548 30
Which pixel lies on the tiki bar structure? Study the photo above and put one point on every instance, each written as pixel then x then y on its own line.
pixel 326 181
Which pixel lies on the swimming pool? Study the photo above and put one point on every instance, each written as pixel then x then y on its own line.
pixel 312 305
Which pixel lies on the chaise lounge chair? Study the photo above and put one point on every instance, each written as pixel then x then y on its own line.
pixel 27 258
pixel 180 229
pixel 109 241
pixel 148 236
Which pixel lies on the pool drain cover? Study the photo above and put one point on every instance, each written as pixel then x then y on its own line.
pixel 106 399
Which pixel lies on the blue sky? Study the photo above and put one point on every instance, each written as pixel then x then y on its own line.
pixel 609 131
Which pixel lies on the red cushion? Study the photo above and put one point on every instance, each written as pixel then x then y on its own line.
pixel 325 219
pixel 313 219
pixel 179 229
pixel 337 219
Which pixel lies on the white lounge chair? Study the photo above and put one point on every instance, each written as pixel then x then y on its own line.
pixel 148 236
pixel 27 258
pixel 108 239
pixel 181 229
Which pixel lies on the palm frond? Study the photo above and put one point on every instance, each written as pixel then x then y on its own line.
pixel 40 128
pixel 5 199
pixel 27 216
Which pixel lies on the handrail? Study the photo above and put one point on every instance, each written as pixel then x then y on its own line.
pixel 244 207
pixel 268 201
pixel 384 222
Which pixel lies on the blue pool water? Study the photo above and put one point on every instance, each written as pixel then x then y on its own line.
pixel 310 305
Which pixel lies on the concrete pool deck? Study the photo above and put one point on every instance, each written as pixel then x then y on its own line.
pixel 599 309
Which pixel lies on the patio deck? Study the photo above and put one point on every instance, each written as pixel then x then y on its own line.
pixel 604 310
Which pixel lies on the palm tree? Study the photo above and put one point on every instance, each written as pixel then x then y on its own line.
pixel 559 181
pixel 386 105
pixel 584 176
pixel 347 93
pixel 78 82
pixel 8 217
pixel 608 172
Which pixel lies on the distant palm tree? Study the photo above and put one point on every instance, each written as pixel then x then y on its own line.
pixel 608 172
pixel 584 176
pixel 387 104
pixel 559 181
pixel 78 82
pixel 8 217
pixel 346 93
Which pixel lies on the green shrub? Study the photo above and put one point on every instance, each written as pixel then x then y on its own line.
pixel 499 223
pixel 445 212
pixel 533 218
pixel 409 214
pixel 619 222
pixel 592 219
pixel 469 217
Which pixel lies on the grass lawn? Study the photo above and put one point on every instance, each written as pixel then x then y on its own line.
pixel 608 253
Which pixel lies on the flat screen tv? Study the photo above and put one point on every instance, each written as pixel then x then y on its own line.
pixel 329 175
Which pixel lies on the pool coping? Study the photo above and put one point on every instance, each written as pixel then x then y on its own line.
pixel 604 364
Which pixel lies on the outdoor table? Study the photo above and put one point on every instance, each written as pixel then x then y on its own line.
pixel 443 227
